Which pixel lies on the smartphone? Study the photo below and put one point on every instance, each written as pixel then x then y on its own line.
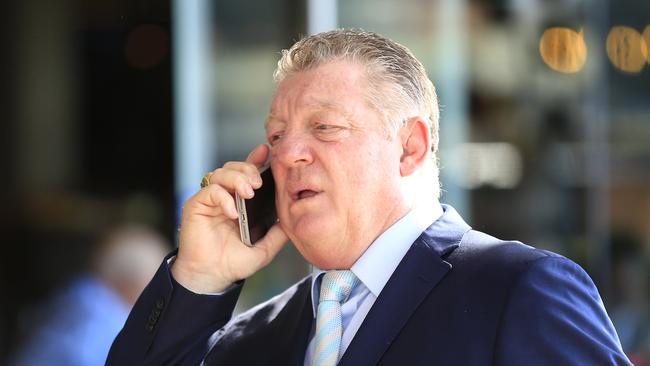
pixel 258 214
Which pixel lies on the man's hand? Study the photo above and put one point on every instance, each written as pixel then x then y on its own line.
pixel 211 255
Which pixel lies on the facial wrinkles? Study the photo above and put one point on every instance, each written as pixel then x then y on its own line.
pixel 357 236
pixel 306 93
pixel 293 108
pixel 280 117
pixel 285 104
pixel 302 113
pixel 297 97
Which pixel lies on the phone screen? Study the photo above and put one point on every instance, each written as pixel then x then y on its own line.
pixel 258 214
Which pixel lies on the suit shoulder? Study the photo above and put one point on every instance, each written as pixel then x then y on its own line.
pixel 495 263
pixel 478 247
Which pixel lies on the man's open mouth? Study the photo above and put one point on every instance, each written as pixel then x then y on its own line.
pixel 306 193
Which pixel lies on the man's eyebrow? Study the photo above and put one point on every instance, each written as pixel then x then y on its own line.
pixel 270 118
pixel 334 107
pixel 316 106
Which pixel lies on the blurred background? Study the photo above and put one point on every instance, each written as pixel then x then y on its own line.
pixel 112 110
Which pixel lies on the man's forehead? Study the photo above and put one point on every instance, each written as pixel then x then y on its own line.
pixel 310 107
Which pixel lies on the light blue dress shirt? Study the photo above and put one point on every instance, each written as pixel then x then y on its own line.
pixel 78 327
pixel 374 268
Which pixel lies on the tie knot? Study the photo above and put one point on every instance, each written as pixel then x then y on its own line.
pixel 337 285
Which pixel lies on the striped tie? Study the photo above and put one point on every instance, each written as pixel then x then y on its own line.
pixel 334 289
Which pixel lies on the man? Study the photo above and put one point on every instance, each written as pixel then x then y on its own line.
pixel 353 132
pixel 77 326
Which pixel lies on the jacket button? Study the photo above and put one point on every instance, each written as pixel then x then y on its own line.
pixel 160 303
pixel 153 319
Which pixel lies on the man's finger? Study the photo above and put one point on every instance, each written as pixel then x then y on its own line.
pixel 233 180
pixel 258 155
pixel 272 242
pixel 209 198
pixel 220 197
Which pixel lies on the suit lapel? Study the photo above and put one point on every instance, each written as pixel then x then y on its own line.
pixel 291 331
pixel 421 269
pixel 298 335
pixel 274 333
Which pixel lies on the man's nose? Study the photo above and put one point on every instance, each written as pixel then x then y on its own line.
pixel 293 149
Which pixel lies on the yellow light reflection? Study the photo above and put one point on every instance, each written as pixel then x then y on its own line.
pixel 563 49
pixel 627 49
pixel 646 38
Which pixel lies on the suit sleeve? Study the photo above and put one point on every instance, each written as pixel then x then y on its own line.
pixel 170 324
pixel 555 316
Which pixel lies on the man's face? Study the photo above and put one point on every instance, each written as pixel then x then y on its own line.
pixel 336 170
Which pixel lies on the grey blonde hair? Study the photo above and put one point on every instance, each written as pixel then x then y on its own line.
pixel 398 85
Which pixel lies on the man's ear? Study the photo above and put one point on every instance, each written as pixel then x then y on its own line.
pixel 416 143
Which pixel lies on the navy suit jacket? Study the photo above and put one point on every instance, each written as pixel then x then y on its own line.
pixel 458 297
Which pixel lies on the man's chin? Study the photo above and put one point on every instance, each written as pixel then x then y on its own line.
pixel 312 224
pixel 310 237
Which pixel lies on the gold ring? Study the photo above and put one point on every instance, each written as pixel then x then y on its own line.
pixel 206 180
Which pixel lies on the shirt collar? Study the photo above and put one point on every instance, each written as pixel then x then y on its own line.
pixel 379 261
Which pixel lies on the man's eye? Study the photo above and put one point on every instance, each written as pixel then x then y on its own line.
pixel 274 138
pixel 327 132
pixel 328 128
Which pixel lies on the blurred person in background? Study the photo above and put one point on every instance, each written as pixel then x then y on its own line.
pixel 77 326
pixel 398 279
